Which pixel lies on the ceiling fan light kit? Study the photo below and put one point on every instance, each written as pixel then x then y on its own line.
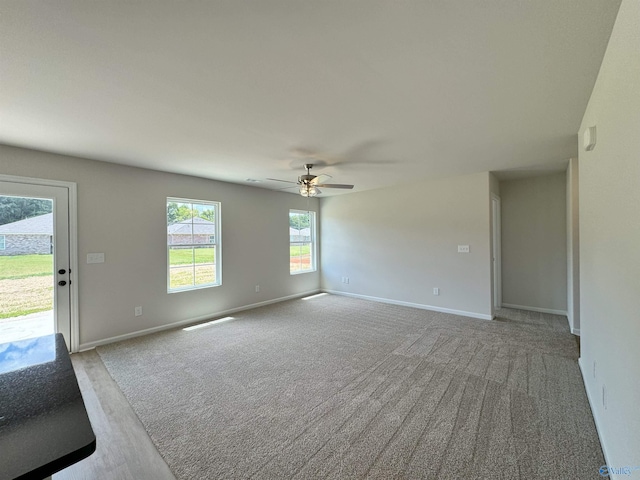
pixel 308 184
pixel 308 191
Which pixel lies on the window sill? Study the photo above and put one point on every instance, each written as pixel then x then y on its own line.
pixel 189 289
pixel 303 271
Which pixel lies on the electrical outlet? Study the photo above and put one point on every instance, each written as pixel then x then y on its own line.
pixel 463 248
pixel 257 288
pixel 604 396
pixel 346 280
pixel 594 369
pixel 137 311
pixel 436 291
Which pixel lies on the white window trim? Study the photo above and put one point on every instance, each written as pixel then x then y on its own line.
pixel 313 250
pixel 218 245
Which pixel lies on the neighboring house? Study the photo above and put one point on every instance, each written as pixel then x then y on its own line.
pixel 302 235
pixel 191 231
pixel 28 236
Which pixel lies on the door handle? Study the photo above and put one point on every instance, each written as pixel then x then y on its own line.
pixel 62 283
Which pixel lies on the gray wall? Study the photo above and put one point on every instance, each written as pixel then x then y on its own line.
pixel 610 244
pixel 399 243
pixel 534 243
pixel 122 212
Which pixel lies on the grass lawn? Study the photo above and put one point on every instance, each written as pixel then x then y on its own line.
pixel 184 256
pixel 26 284
pixel 182 272
pixel 184 276
pixel 299 258
pixel 298 250
pixel 24 266
pixel 23 296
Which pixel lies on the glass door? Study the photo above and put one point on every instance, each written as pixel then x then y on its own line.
pixel 34 261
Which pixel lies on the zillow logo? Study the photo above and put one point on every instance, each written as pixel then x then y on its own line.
pixel 606 470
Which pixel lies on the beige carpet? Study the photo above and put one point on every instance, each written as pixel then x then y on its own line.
pixel 335 387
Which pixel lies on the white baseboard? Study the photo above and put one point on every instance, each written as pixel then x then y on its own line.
pixel 421 306
pixel 575 331
pixel 583 371
pixel 535 309
pixel 193 320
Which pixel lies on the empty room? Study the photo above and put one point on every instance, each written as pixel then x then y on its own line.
pixel 299 239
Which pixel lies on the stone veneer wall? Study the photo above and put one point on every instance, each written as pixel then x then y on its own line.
pixel 26 244
pixel 180 239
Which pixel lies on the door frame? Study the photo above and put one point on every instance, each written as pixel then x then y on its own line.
pixel 73 246
pixel 496 254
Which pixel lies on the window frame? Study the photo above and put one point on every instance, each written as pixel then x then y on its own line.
pixel 217 244
pixel 3 242
pixel 313 242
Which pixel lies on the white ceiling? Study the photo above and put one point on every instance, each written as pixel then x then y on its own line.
pixel 381 92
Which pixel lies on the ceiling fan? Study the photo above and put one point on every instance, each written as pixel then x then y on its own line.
pixel 308 184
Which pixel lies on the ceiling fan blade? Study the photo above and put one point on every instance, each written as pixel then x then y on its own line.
pixel 335 185
pixel 278 180
pixel 287 188
pixel 320 179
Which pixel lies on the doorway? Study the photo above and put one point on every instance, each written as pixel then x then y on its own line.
pixel 496 253
pixel 35 260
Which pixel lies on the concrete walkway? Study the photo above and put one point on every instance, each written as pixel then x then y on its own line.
pixel 26 326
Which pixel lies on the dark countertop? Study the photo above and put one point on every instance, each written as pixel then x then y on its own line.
pixel 44 426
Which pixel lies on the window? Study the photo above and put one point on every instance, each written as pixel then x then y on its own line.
pixel 3 242
pixel 193 244
pixel 302 241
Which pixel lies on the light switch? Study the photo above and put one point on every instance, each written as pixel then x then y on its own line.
pixel 95 257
